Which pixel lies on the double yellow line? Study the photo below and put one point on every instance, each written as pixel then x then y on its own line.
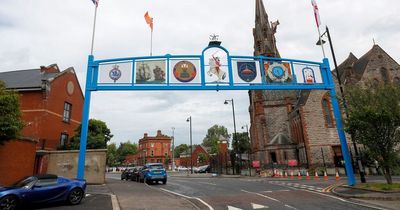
pixel 329 188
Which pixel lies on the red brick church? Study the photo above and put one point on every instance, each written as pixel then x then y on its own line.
pixel 299 125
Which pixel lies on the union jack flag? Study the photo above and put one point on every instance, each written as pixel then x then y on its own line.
pixel 316 13
pixel 96 2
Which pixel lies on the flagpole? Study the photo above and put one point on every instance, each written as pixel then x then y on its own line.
pixel 151 43
pixel 94 29
pixel 320 41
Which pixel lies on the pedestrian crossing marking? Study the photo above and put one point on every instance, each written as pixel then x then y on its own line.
pixel 233 208
pixel 258 206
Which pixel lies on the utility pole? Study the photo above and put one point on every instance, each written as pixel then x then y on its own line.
pixel 173 149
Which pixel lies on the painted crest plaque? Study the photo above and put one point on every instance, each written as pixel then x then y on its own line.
pixel 184 71
pixel 115 73
pixel 247 71
pixel 278 71
pixel 150 72
pixel 308 75
pixel 216 68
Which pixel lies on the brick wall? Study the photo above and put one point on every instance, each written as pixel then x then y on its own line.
pixel 195 157
pixel 42 111
pixel 17 158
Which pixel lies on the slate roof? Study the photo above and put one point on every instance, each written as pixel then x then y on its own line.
pixel 26 79
pixel 353 69
pixel 345 68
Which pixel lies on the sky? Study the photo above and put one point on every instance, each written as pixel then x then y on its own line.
pixel 36 33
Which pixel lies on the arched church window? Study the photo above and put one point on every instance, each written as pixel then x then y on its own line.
pixel 327 113
pixel 375 81
pixel 396 81
pixel 385 75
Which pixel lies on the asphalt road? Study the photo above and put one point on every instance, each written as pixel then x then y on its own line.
pixel 233 193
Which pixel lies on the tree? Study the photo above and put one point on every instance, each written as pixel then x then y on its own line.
pixel 241 144
pixel 98 135
pixel 214 134
pixel 10 115
pixel 202 158
pixel 179 149
pixel 124 149
pixel 111 154
pixel 374 121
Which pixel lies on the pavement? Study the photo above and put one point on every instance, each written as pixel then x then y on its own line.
pixel 387 200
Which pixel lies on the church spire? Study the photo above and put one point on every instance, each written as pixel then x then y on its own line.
pixel 264 38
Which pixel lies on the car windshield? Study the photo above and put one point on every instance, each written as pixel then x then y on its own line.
pixel 156 166
pixel 25 182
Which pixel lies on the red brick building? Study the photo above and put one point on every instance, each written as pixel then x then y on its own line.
pixel 200 156
pixel 51 102
pixel 155 149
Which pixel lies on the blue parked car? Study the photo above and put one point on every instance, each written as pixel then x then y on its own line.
pixel 42 189
pixel 153 172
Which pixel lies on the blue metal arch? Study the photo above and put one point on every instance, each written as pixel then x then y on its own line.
pixel 92 84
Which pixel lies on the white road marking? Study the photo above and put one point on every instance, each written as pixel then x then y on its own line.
pixel 208 183
pixel 284 190
pixel 233 208
pixel 87 194
pixel 291 207
pixel 188 197
pixel 261 195
pixel 117 178
pixel 258 206
pixel 114 202
pixel 267 191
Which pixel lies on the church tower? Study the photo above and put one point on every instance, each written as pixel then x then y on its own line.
pixel 268 109
pixel 264 38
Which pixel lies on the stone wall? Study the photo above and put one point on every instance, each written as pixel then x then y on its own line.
pixel 65 163
pixel 317 132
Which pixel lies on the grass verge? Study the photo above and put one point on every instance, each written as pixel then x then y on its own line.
pixel 379 186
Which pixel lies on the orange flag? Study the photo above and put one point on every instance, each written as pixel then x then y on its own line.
pixel 149 20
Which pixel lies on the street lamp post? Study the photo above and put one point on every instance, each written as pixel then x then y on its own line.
pixel 358 159
pixel 191 147
pixel 234 127
pixel 249 150
pixel 173 150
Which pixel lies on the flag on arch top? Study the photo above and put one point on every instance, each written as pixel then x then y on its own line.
pixel 96 2
pixel 149 20
pixel 316 13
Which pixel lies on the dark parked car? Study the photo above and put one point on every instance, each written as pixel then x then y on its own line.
pixel 204 169
pixel 126 174
pixel 135 173
pixel 153 172
pixel 42 189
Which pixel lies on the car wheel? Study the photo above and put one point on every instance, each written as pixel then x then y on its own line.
pixel 8 203
pixel 164 181
pixel 75 196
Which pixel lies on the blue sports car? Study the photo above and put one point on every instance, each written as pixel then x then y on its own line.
pixel 41 189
